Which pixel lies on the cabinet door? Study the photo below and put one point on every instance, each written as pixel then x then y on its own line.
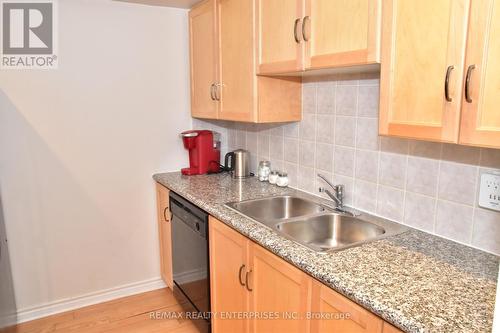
pixel 236 60
pixel 419 52
pixel 203 60
pixel 331 304
pixel 480 111
pixel 164 232
pixel 388 328
pixel 280 44
pixel 342 32
pixel 279 289
pixel 228 264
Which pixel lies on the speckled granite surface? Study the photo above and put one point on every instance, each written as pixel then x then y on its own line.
pixel 416 281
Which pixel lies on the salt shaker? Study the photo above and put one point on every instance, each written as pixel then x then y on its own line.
pixel 264 170
pixel 273 177
pixel 282 179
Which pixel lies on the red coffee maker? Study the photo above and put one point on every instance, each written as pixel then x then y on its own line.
pixel 204 152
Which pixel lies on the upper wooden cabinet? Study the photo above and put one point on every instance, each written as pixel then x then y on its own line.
pixel 480 106
pixel 224 84
pixel 422 48
pixel 203 60
pixel 439 73
pixel 279 35
pixel 298 35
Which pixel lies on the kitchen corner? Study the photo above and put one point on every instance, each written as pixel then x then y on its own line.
pixel 416 281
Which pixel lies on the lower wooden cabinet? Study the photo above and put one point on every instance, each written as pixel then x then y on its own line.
pixel 388 328
pixel 342 315
pixel 278 289
pixel 253 290
pixel 228 265
pixel 164 233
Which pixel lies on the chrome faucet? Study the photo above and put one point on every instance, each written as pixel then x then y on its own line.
pixel 338 192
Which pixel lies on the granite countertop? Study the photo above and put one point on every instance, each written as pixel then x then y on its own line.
pixel 416 281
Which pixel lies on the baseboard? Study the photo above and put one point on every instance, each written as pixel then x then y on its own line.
pixel 68 304
pixel 7 320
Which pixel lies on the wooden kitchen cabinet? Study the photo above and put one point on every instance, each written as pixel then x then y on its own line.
pixel 420 53
pixel 339 33
pixel 359 320
pixel 279 32
pixel 203 57
pixel 317 34
pixel 164 233
pixel 228 267
pixel 277 286
pixel 236 92
pixel 388 328
pixel 439 74
pixel 480 110
pixel 248 279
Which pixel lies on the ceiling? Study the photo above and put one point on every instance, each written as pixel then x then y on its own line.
pixel 165 3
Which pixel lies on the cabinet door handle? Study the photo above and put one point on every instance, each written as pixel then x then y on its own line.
pixel 246 280
pixel 239 275
pixel 295 33
pixel 447 84
pixel 467 83
pixel 165 214
pixel 212 96
pixel 306 18
pixel 217 91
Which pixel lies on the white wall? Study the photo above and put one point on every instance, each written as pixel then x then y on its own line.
pixel 78 146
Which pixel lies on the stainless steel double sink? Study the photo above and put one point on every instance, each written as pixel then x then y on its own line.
pixel 314 225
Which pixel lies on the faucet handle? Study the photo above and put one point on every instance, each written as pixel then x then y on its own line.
pixel 340 191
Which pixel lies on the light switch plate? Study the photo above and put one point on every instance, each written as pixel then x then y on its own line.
pixel 489 191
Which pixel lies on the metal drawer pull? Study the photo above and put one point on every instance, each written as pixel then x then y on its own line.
pixel 295 34
pixel 467 83
pixel 447 83
pixel 246 281
pixel 306 18
pixel 212 86
pixel 165 214
pixel 239 275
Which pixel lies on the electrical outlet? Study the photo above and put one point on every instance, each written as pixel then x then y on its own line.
pixel 489 191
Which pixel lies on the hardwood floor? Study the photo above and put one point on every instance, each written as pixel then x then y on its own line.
pixel 123 315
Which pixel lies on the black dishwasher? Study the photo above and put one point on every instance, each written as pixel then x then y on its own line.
pixel 190 262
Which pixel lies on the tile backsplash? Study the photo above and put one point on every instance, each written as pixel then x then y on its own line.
pixel 426 185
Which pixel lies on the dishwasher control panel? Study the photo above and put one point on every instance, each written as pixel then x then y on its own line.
pixel 489 191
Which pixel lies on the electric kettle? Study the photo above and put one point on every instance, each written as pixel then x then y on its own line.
pixel 238 163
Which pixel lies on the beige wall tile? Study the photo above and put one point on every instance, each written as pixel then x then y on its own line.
pixel 457 182
pixel 324 157
pixel 419 211
pixel 392 169
pixel 366 165
pixel 343 163
pixel 345 128
pixel 367 133
pixel 454 221
pixel 390 203
pixel 422 176
pixel 346 100
pixel 486 232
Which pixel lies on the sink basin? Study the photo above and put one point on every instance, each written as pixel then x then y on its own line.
pixel 330 231
pixel 316 226
pixel 276 208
